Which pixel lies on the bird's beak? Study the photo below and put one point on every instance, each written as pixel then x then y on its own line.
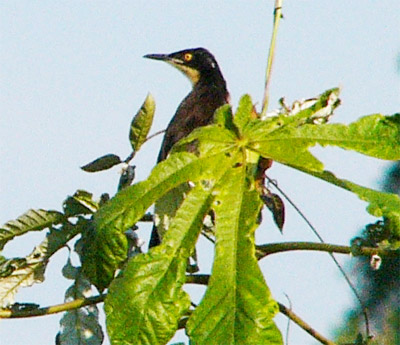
pixel 162 57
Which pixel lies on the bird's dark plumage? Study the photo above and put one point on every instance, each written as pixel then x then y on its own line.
pixel 197 109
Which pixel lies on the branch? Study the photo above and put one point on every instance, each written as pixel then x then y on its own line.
pixel 301 323
pixel 75 304
pixel 272 248
pixel 190 279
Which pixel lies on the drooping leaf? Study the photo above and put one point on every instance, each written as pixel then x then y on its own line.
pixel 276 206
pixel 141 123
pixel 32 270
pixel 80 326
pixel 238 307
pixel 33 220
pixel 69 271
pixel 102 163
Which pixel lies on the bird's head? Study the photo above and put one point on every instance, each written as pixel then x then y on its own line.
pixel 197 64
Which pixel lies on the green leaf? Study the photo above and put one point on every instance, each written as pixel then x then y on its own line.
pixel 33 220
pixel 288 142
pixel 210 140
pixel 223 116
pixel 107 246
pixel 80 326
pixel 238 307
pixel 103 163
pixel 374 135
pixel 144 305
pixel 243 112
pixel 141 123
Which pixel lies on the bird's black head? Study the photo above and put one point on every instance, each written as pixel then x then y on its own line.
pixel 197 64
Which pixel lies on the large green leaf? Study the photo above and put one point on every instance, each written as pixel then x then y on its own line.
pixel 144 305
pixel 238 307
pixel 375 135
pixel 107 246
pixel 32 220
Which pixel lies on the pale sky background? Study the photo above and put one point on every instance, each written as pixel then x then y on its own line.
pixel 72 77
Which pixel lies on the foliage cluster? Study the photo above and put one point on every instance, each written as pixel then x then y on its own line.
pixel 146 303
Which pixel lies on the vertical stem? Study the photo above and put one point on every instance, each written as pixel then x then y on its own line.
pixel 277 17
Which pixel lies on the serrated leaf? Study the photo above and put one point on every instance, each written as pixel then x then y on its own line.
pixel 237 307
pixel 102 163
pixel 33 220
pixel 375 135
pixel 141 123
pixel 107 247
pixel 80 326
pixel 35 264
pixel 145 304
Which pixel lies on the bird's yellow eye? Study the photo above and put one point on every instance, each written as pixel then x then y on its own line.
pixel 188 57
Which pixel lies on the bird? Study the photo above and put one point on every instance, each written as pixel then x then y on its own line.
pixel 209 92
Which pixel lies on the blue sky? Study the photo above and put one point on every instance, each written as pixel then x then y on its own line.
pixel 73 76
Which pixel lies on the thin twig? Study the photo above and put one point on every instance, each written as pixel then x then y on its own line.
pixel 154 135
pixel 301 323
pixel 277 17
pixel 288 324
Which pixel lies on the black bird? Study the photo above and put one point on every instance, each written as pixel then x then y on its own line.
pixel 197 108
